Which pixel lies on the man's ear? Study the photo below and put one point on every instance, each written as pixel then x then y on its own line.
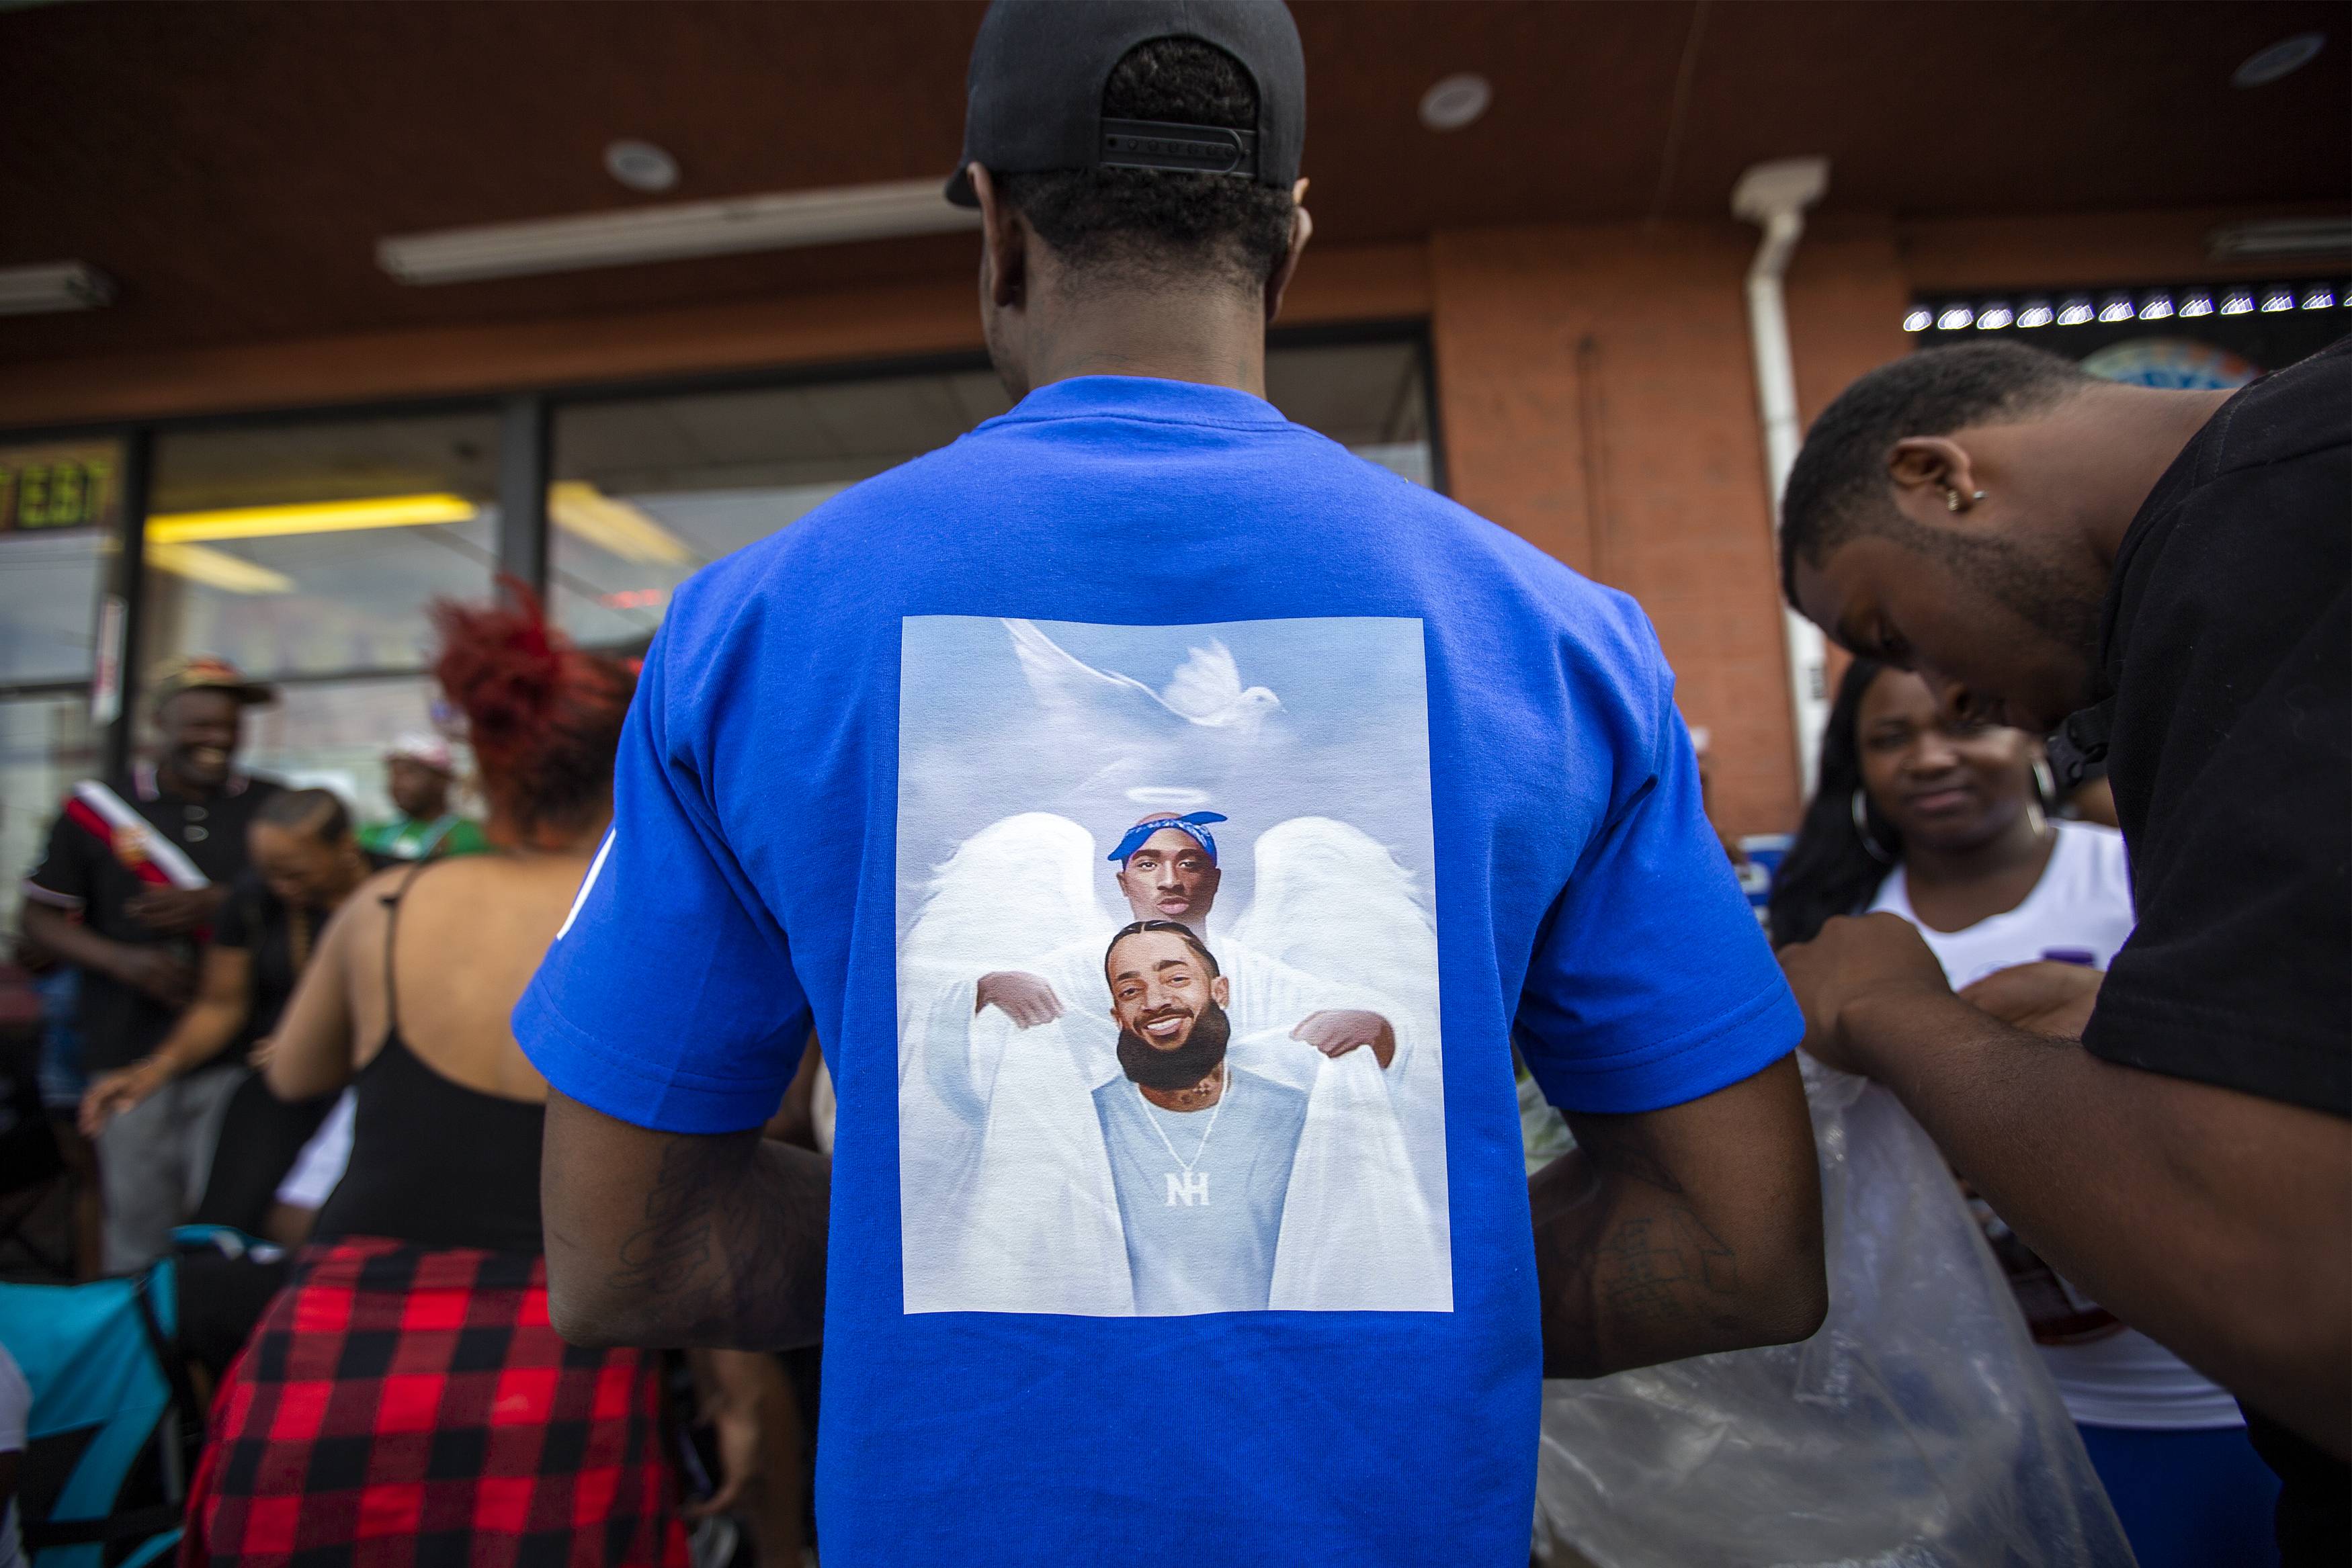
pixel 1302 229
pixel 1221 990
pixel 1003 241
pixel 1934 468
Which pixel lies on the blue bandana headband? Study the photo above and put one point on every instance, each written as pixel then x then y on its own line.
pixel 1192 822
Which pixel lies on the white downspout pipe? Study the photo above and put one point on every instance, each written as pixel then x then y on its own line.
pixel 1776 195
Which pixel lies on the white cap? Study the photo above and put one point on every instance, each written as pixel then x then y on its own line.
pixel 430 750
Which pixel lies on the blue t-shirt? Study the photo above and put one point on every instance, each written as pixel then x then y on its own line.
pixel 1412 781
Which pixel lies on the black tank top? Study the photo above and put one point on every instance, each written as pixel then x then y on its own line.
pixel 433 1161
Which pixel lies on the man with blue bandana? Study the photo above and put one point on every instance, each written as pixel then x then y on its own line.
pixel 1169 872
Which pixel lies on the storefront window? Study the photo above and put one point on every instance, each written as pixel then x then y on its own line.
pixel 313 548
pixel 59 502
pixel 649 490
pixel 46 744
pixel 334 734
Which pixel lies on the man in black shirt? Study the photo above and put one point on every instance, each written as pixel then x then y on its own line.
pixel 2162 578
pixel 134 874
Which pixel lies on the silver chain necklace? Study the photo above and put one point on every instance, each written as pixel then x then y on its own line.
pixel 1224 1092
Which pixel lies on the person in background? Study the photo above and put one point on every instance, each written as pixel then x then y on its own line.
pixel 1942 819
pixel 306 863
pixel 136 874
pixel 436 1221
pixel 2164 579
pixel 419 774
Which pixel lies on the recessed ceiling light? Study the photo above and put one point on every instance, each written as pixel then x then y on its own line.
pixel 2285 58
pixel 1455 101
pixel 641 165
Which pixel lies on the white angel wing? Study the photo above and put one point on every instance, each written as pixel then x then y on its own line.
pixel 1333 902
pixel 1206 683
pixel 1019 887
pixel 1066 684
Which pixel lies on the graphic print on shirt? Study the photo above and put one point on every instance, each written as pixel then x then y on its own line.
pixel 1168 998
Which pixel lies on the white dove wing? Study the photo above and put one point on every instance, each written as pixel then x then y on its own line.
pixel 1064 684
pixel 1207 684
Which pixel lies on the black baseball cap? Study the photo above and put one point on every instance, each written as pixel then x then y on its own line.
pixel 1033 100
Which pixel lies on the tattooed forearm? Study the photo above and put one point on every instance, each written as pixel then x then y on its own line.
pixel 730 1251
pixel 1630 1271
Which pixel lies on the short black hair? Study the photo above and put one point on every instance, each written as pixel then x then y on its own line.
pixel 1836 489
pixel 1156 224
pixel 1191 939
pixel 319 812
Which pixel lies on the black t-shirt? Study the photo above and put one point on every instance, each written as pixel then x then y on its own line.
pixel 281 940
pixel 2226 662
pixel 78 872
pixel 257 921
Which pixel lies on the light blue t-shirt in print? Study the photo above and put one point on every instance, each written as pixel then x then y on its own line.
pixel 1199 1192
pixel 879 770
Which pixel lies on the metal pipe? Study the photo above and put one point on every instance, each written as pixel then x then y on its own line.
pixel 1774 196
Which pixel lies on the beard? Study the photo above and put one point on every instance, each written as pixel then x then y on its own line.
pixel 2040 586
pixel 1180 1068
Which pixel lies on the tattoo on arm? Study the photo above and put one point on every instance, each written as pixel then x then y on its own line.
pixel 731 1246
pixel 1629 1270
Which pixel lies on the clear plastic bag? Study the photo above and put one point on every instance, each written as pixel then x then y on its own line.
pixel 1917 1429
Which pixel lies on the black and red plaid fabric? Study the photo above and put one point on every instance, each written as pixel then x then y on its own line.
pixel 410 1406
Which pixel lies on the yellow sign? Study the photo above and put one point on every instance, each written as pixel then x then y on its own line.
pixel 60 485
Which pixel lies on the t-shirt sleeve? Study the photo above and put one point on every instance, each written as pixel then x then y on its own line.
pixel 1651 984
pixel 241 920
pixel 668 998
pixel 65 878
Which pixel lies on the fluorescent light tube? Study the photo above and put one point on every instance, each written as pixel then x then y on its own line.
pixel 2286 236
pixel 216 569
pixel 53 285
pixel 307 517
pixel 619 529
pixel 674 232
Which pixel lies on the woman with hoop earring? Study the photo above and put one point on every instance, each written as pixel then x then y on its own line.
pixel 1950 823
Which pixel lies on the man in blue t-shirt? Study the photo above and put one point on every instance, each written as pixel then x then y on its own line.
pixel 865 789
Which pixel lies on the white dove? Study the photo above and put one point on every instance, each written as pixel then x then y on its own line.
pixel 1206 688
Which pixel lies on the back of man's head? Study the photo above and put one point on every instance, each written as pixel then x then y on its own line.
pixel 1125 227
pixel 1840 486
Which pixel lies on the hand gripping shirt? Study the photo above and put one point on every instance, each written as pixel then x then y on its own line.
pixel 878 768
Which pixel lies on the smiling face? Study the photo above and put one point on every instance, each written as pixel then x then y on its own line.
pixel 201 730
pixel 1170 877
pixel 1161 987
pixel 1943 781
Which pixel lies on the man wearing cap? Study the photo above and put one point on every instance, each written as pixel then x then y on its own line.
pixel 1135 168
pixel 417 774
pixel 133 875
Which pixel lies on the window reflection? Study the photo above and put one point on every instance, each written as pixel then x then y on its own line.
pixel 46 744
pixel 314 548
pixel 59 503
pixel 334 734
pixel 648 490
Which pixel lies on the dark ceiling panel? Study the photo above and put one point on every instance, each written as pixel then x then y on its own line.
pixel 233 165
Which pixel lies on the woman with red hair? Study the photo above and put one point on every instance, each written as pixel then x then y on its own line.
pixel 407 1391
